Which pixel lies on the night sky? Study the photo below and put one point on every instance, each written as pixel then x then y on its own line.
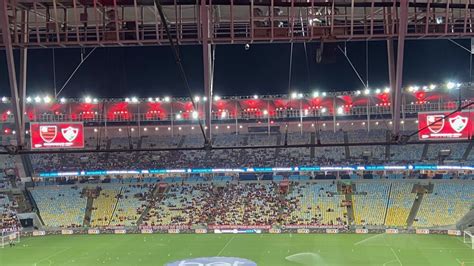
pixel 263 69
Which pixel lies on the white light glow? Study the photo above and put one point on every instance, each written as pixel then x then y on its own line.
pixel 217 98
pixel 88 99
pixel 195 115
pixel 450 85
pixel 366 91
pixel 28 99
pixel 178 117
pixel 62 100
pixel 316 94
pixel 255 96
pixel 47 99
pixel 167 99
pixel 223 114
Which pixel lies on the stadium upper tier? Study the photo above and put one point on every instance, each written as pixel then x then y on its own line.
pixel 277 156
pixel 322 105
pixel 196 202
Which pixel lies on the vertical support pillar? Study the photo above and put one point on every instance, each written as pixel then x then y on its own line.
pixel 207 66
pixel 7 41
pixel 397 99
pixel 23 72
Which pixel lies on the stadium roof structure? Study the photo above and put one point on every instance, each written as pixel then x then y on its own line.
pixel 27 24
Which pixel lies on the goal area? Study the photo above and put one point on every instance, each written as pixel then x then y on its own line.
pixel 468 238
pixel 8 237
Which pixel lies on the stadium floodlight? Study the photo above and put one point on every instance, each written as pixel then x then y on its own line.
pixel 132 129
pixel 27 132
pixel 28 99
pixel 134 100
pixel 299 124
pixel 390 122
pixel 62 100
pixel 204 99
pixel 432 86
pixel 255 96
pixel 324 124
pixel 294 95
pixel 95 100
pixel 377 123
pixel 316 94
pixel 217 127
pixel 366 91
pixel 169 128
pixel 416 121
pixel 37 99
pixel 386 90
pixel 300 95
pixel 195 115
pixel 178 116
pixel 324 110
pixel 337 124
pixel 13 132
pixel 358 92
pixel 223 114
pixel 47 99
pixel 378 91
pixel 157 99
pixel 217 98
pixel 145 129
pixel 120 130
pixel 95 129
pixel 324 94
pixel 450 85
pixel 228 127
pixel 9 112
pixel 167 99
pixel 312 125
pixel 179 128
pixel 265 112
pixel 127 100
pixel 156 128
pixel 4 99
pixel 197 98
pixel 240 126
pixel 340 110
pixel 150 99
pixel 88 99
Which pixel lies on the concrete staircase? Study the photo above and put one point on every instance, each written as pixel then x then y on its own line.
pixel 415 208
pixel 468 151
pixel 157 195
pixel 88 213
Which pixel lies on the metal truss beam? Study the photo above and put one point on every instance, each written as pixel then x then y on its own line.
pixel 10 58
pixel 397 99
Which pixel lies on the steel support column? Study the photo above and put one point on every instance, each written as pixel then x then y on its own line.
pixel 7 42
pixel 23 71
pixel 397 99
pixel 207 66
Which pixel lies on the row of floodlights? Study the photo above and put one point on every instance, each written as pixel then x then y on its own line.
pixel 294 95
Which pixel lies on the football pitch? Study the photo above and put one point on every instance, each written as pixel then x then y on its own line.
pixel 264 249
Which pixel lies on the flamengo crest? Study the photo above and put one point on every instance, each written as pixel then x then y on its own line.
pixel 435 123
pixel 48 133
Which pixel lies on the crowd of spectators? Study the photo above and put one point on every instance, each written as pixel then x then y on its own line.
pixel 8 214
pixel 257 157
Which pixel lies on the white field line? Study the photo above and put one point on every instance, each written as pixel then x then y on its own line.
pixel 396 256
pixel 52 255
pixel 225 246
pixel 367 239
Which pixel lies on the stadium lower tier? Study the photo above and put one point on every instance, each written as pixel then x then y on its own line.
pixel 392 203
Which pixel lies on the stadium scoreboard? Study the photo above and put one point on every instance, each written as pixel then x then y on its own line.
pixel 440 126
pixel 68 135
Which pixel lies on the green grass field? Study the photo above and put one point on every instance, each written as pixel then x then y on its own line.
pixel 265 249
